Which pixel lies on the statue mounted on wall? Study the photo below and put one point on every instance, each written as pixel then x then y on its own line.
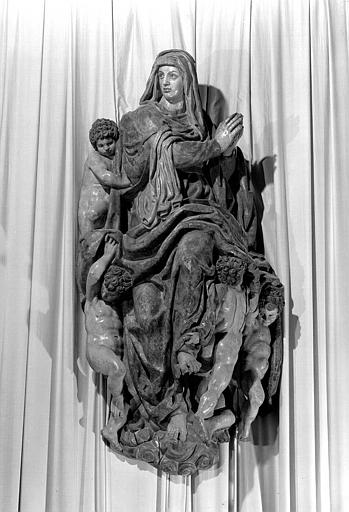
pixel 182 315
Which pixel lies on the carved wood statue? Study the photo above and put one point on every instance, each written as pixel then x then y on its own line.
pixel 178 305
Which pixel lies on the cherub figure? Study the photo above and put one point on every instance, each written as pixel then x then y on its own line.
pixel 256 347
pixel 104 336
pixel 99 177
pixel 230 322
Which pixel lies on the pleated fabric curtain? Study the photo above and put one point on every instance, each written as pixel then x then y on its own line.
pixel 285 65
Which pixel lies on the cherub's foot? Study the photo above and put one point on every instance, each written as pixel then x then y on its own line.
pixel 110 433
pixel 116 421
pixel 243 431
pixel 221 436
pixel 207 405
pixel 220 422
pixel 118 408
pixel 177 427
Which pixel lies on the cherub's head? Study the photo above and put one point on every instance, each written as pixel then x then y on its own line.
pixel 268 313
pixel 271 302
pixel 103 136
pixel 117 281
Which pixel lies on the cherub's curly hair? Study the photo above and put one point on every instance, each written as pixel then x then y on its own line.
pixel 103 129
pixel 230 269
pixel 117 281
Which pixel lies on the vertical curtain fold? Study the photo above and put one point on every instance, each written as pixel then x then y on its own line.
pixel 21 64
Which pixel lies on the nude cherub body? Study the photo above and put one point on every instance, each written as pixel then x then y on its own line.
pixel 256 347
pixel 99 177
pixel 104 327
pixel 230 323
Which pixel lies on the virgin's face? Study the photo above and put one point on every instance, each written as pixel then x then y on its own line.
pixel 171 83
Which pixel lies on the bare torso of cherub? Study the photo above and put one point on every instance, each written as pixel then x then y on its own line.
pixel 257 349
pixel 94 197
pixel 230 322
pixel 103 327
pixel 103 324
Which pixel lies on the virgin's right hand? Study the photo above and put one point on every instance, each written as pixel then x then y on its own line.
pixel 229 131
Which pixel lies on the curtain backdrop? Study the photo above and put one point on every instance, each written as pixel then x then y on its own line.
pixel 285 65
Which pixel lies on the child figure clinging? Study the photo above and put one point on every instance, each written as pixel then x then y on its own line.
pixel 104 327
pixel 99 177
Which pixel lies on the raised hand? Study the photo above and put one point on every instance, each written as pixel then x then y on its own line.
pixel 110 246
pixel 187 363
pixel 229 131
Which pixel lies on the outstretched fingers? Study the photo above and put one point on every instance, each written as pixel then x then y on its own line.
pixel 194 366
pixel 234 122
pixel 177 428
pixel 110 240
pixel 110 245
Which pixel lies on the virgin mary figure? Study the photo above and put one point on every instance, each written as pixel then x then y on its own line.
pixel 176 233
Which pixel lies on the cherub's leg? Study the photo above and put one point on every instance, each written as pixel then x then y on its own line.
pixel 104 360
pixel 98 209
pixel 250 410
pixel 256 366
pixel 219 422
pixel 225 359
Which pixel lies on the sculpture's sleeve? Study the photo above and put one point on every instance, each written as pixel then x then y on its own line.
pixel 189 154
pixel 138 132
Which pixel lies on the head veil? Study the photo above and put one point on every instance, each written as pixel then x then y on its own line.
pixel 185 63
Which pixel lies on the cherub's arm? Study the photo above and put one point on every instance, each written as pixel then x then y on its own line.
pixel 105 177
pixel 109 179
pixel 94 277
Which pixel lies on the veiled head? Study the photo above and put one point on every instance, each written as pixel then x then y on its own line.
pixel 171 84
pixel 185 64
